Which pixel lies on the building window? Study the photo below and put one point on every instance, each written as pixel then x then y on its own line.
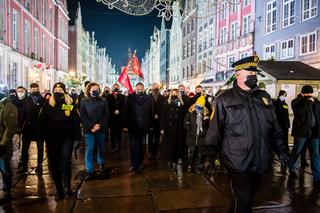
pixel 14 75
pixel 2 22
pixel 193 46
pixel 223 33
pixel 309 9
pixel 288 12
pixel 287 49
pixel 44 15
pixel 308 43
pixel 234 5
pixel 244 55
pixel 36 9
pixel 36 44
pixel 234 29
pixel 270 52
pixel 271 17
pixel 192 70
pixel 26 36
pixel 223 10
pixel 27 4
pixel 15 29
pixel 246 3
pixel 44 47
pixel 50 52
pixel 184 72
pixel 246 24
pixel 231 60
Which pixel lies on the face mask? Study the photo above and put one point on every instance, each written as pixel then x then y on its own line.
pixel 58 96
pixel 251 81
pixel 182 93
pixel 198 93
pixel 140 93
pixel 282 98
pixel 95 93
pixel 21 95
pixel 155 90
pixel 12 97
pixel 174 97
pixel 315 94
pixel 35 93
pixel 198 107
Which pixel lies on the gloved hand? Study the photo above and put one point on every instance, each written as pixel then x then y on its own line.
pixel 284 159
pixel 76 146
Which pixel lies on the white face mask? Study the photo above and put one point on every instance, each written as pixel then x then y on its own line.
pixel 21 95
pixel 315 94
pixel 282 98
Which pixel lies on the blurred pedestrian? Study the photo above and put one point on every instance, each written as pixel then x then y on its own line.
pixel 8 127
pixel 60 128
pixel 94 113
pixel 172 128
pixel 137 121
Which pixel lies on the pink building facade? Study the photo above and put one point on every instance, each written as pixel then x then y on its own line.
pixel 234 34
pixel 33 42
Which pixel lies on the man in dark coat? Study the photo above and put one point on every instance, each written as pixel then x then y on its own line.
pixel 137 120
pixel 116 103
pixel 306 130
pixel 8 127
pixel 282 112
pixel 30 129
pixel 243 129
pixel 154 134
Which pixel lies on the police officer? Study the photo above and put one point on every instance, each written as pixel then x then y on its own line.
pixel 244 129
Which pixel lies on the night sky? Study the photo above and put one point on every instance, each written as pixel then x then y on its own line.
pixel 114 29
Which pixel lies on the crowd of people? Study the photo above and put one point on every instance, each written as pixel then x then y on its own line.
pixel 242 126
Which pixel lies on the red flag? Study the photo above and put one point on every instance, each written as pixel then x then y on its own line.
pixel 136 69
pixel 124 80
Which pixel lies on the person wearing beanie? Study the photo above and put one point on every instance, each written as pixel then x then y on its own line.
pixel 60 128
pixel 306 132
pixel 196 123
pixel 282 112
pixel 30 130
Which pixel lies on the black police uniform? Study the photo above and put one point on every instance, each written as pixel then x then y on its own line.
pixel 244 129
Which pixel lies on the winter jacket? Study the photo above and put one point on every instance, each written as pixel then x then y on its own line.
pixel 31 126
pixel 244 129
pixel 138 114
pixel 190 125
pixel 8 126
pixel 282 112
pixel 116 103
pixel 302 121
pixel 94 111
pixel 157 108
pixel 60 123
pixel 172 121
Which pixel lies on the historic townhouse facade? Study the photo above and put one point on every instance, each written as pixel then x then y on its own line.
pixel 175 55
pixel 33 42
pixel 288 30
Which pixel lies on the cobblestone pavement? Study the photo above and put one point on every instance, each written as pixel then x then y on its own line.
pixel 155 189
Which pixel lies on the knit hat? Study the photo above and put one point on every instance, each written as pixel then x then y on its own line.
pixel 201 101
pixel 307 89
pixel 60 85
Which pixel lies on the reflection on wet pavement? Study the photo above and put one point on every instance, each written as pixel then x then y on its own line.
pixel 155 189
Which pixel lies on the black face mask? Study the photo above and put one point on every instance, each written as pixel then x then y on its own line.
pixel 35 93
pixel 58 96
pixel 155 90
pixel 251 81
pixel 174 97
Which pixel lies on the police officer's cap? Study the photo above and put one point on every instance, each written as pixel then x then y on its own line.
pixel 249 63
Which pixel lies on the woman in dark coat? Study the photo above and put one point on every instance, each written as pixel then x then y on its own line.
pixel 94 112
pixel 196 123
pixel 172 127
pixel 60 124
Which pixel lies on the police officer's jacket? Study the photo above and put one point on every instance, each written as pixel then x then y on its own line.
pixel 242 128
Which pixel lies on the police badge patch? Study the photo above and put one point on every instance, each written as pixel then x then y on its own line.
pixel 265 101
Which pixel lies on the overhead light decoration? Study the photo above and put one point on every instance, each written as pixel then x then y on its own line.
pixel 142 7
